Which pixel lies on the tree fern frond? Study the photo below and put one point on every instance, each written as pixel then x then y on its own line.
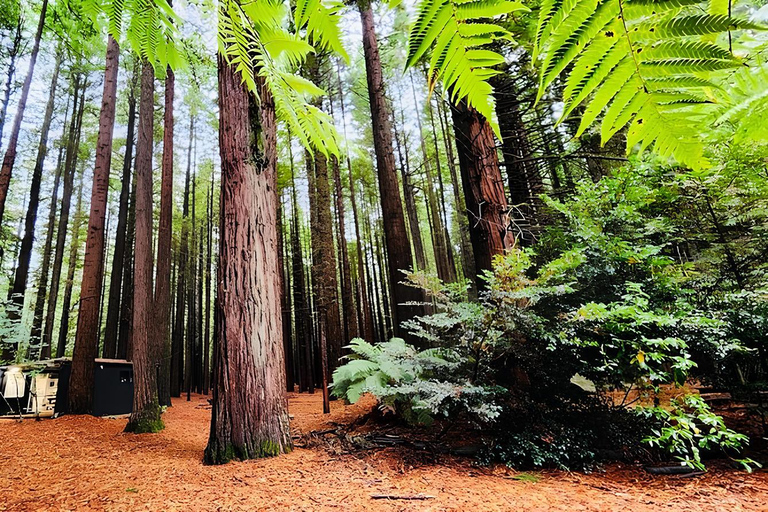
pixel 253 37
pixel 643 64
pixel 321 21
pixel 455 31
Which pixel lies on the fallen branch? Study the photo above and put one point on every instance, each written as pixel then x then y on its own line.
pixel 396 497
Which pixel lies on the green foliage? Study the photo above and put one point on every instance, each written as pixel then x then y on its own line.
pixel 149 27
pixel 417 385
pixel 650 66
pixel 456 34
pixel 254 37
pixel 745 107
pixel 689 427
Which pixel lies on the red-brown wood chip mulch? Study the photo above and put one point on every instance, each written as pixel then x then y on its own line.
pixel 87 463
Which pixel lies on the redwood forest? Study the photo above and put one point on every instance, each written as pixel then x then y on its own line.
pixel 393 255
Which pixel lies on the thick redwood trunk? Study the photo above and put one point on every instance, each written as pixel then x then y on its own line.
pixel 145 416
pixel 483 187
pixel 250 410
pixel 87 337
pixel 162 300
pixel 118 258
pixel 395 234
pixel 10 152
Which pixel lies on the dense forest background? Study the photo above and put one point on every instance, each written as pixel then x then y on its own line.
pixel 564 215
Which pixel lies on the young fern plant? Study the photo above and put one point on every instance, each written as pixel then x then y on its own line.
pixel 454 35
pixel 255 37
pixel 649 65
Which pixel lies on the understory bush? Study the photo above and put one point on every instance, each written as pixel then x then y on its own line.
pixel 604 305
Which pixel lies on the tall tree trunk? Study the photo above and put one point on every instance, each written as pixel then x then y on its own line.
pixel 409 194
pixel 483 187
pixel 300 303
pixel 13 55
pixel 74 250
pixel 70 163
pixel 250 411
pixel 87 337
pixel 365 316
pixel 396 236
pixel 208 260
pixel 445 269
pixel 191 357
pixel 467 256
pixel 45 266
pixel 25 252
pixel 10 153
pixel 145 416
pixel 162 299
pixel 118 258
pixel 125 335
pixel 177 342
pixel 449 252
pixel 351 329
pixel 284 302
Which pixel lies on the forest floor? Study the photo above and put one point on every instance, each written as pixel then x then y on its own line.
pixel 87 463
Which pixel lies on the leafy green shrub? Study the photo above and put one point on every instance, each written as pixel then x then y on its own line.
pixel 689 427
pixel 604 296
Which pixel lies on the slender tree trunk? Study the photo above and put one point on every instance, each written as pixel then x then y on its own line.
pixel 74 250
pixel 45 266
pixel 70 163
pixel 13 53
pixel 19 288
pixel 250 411
pixel 467 256
pixel 208 260
pixel 177 342
pixel 118 258
pixel 396 236
pixel 445 270
pixel 87 337
pixel 191 357
pixel 365 317
pixel 483 188
pixel 449 252
pixel 284 304
pixel 125 335
pixel 162 299
pixel 10 152
pixel 145 416
pixel 409 194
pixel 300 303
